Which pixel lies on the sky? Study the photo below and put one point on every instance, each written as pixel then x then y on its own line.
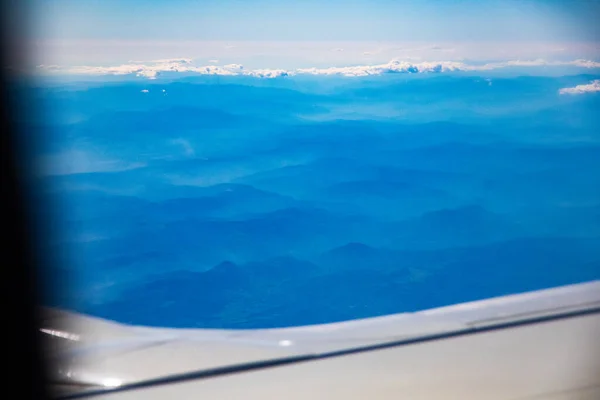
pixel 284 33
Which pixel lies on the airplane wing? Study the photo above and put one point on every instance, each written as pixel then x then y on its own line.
pixel 536 345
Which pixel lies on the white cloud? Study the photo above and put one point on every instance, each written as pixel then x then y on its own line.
pixel 543 63
pixel 152 69
pixel 233 67
pixel 268 73
pixel 182 60
pixel 392 66
pixel 188 149
pixel 591 87
pixel 145 91
pixel 585 63
pixel 175 60
pixel 337 49
pixel 74 161
pixel 52 67
pixel 213 61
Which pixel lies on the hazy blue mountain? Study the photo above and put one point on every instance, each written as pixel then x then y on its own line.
pixel 283 292
pixel 359 256
pixel 454 227
pixel 387 199
pixel 242 202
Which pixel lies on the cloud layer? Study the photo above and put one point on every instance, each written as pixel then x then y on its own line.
pixel 591 87
pixel 152 69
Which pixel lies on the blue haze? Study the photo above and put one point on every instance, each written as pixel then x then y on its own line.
pixel 241 202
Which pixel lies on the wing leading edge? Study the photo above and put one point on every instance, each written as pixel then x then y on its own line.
pixel 523 337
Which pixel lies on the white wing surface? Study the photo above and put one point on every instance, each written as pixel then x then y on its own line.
pixel 536 345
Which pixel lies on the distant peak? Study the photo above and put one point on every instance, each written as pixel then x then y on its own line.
pixel 225 265
pixel 352 248
pixel 356 245
pixel 468 209
pixel 460 215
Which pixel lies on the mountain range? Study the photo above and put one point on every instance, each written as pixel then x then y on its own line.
pixel 244 203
